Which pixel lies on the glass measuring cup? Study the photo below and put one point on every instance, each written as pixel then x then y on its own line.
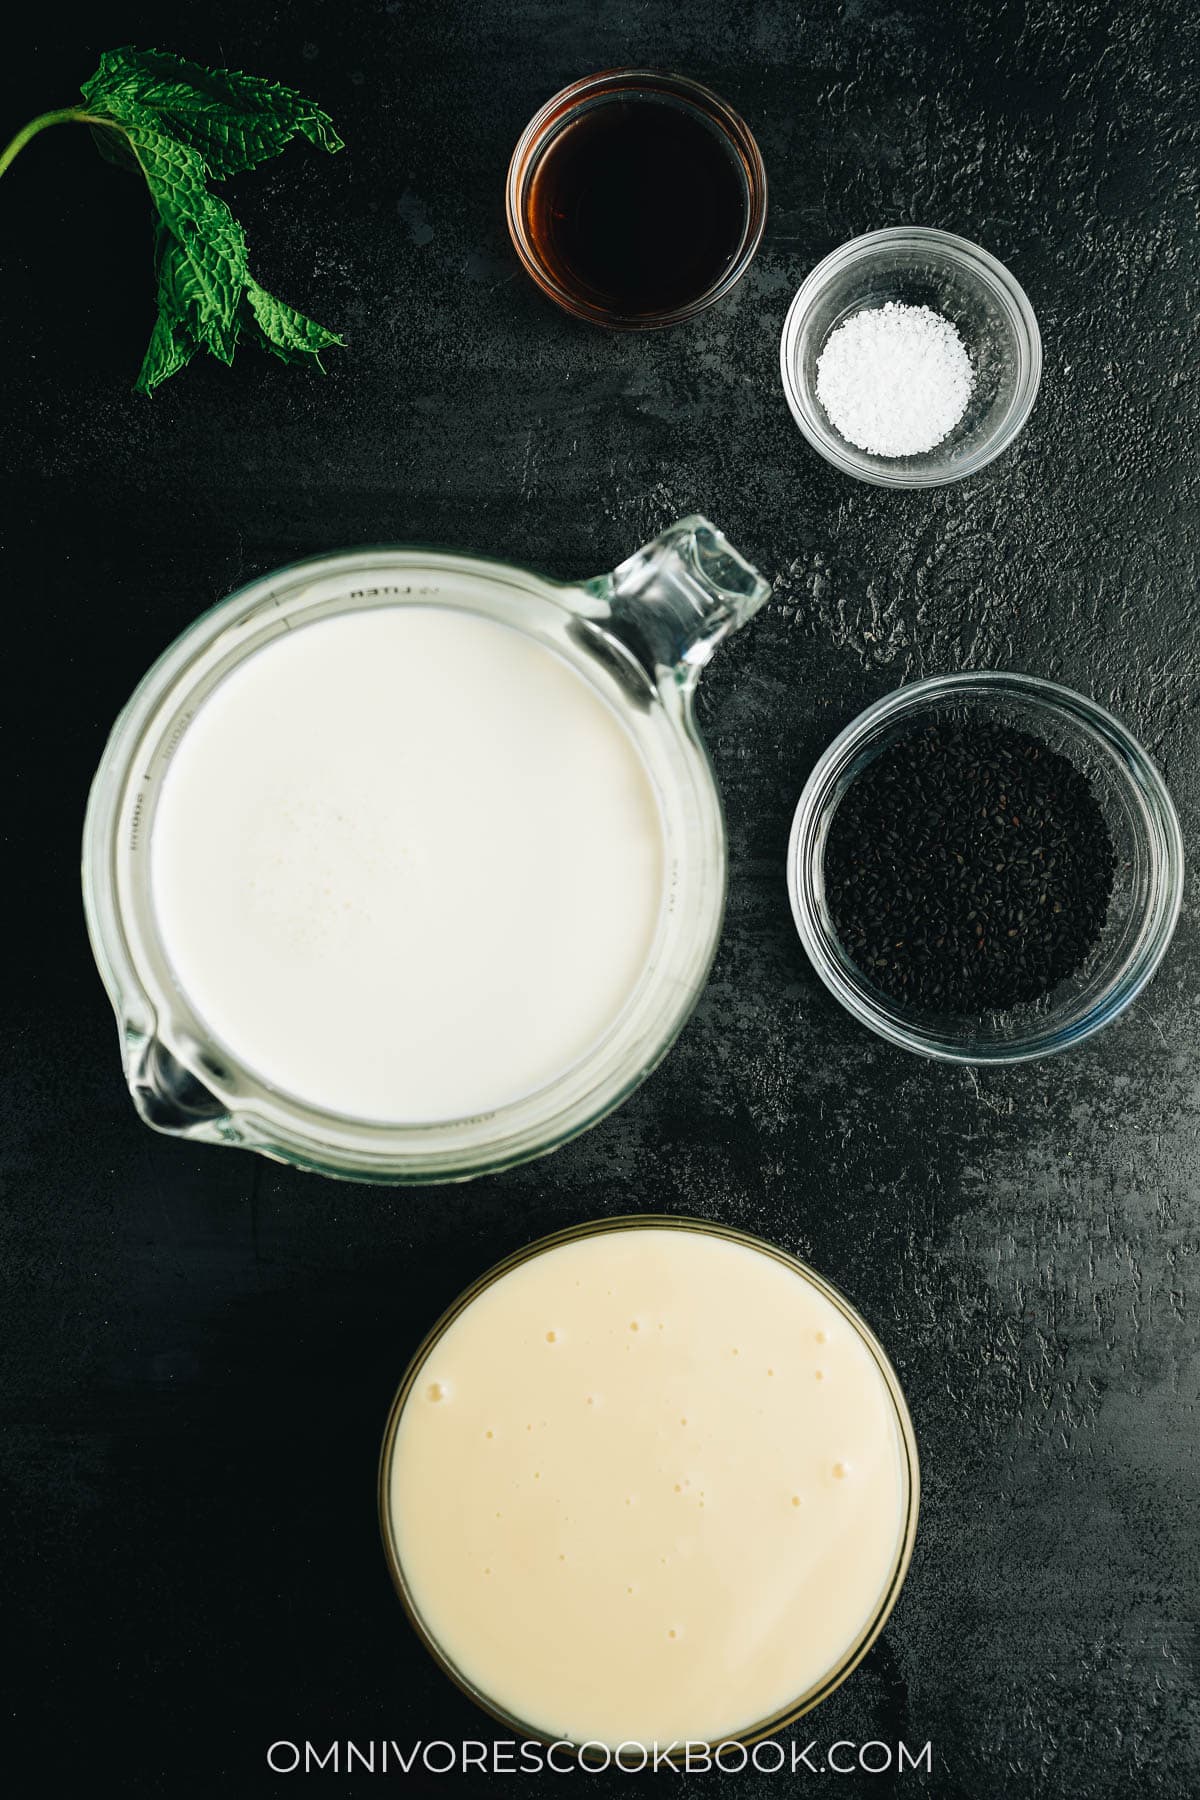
pixel 639 636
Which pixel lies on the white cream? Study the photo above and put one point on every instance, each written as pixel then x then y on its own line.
pixel 649 1485
pixel 406 864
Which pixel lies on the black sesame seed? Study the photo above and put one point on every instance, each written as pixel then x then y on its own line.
pixel 917 894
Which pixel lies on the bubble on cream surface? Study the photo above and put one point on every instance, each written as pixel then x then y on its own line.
pixel 707 1577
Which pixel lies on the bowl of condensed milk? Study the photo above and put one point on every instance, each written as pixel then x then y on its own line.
pixel 650 1482
pixel 404 865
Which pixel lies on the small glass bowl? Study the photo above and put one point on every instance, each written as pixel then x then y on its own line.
pixel 563 109
pixel 918 267
pixel 1147 887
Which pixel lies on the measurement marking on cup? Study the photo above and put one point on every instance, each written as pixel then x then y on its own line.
pixel 136 818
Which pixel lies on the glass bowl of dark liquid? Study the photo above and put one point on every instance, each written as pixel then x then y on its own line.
pixel 636 199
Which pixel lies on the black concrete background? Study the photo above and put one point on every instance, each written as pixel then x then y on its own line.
pixel 200 1347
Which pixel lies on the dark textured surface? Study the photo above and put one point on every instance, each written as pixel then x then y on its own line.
pixel 200 1347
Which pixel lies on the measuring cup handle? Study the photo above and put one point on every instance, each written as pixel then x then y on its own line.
pixel 673 601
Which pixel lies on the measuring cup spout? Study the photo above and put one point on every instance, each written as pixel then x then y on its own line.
pixel 169 1097
pixel 673 601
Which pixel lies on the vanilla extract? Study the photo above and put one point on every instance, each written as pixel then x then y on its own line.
pixel 639 204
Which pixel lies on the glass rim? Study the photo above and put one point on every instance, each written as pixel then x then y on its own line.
pixel 964 254
pixel 909 1458
pixel 1047 1037
pixel 569 99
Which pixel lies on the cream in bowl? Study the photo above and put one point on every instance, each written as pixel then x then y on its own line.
pixel 649 1481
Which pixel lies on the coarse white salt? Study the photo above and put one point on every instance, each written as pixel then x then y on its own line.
pixel 895 379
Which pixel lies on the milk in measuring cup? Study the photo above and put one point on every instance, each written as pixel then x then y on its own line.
pixel 406 864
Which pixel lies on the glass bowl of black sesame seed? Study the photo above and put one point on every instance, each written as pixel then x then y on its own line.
pixel 985 867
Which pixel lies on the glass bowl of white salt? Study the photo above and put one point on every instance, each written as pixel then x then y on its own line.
pixel 910 357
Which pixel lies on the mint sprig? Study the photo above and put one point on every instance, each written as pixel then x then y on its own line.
pixel 183 126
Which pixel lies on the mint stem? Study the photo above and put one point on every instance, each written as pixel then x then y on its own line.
pixel 66 115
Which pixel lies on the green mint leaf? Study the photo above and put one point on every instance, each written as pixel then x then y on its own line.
pixel 234 121
pixel 199 290
pixel 170 348
pixel 179 125
pixel 114 146
pixel 282 330
pixel 202 269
